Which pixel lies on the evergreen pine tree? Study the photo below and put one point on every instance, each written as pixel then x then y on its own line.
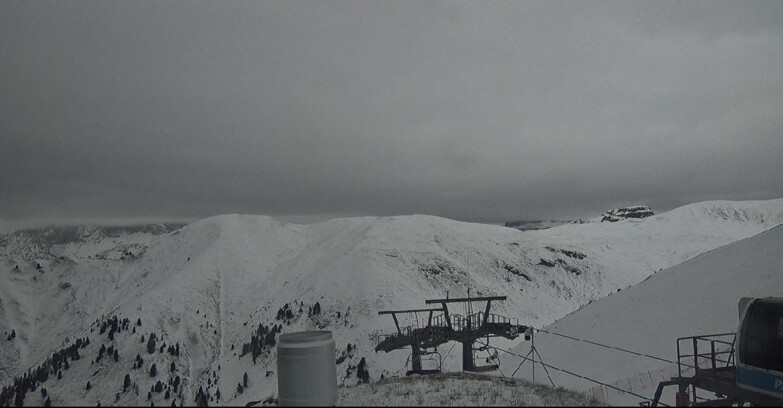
pixel 19 397
pixel 153 370
pixel 151 344
pixel 362 372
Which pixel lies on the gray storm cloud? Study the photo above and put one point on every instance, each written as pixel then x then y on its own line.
pixel 480 111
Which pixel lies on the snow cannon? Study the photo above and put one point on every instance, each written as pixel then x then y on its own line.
pixel 307 369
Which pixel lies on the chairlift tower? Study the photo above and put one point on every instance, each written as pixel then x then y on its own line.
pixel 446 326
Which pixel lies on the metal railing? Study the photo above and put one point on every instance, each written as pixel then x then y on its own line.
pixel 439 321
pixel 413 331
pixel 494 318
pixel 476 320
pixel 459 322
pixel 707 353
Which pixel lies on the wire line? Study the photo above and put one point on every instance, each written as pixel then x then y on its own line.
pixel 613 348
pixel 583 377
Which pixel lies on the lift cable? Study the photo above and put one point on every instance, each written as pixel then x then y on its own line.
pixel 403 367
pixel 583 377
pixel 447 353
pixel 614 348
pixel 490 355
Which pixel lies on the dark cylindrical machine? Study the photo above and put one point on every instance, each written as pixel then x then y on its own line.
pixel 306 368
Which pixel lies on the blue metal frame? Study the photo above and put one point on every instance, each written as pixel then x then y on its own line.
pixel 759 380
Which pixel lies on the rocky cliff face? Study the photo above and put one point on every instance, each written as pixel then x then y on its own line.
pixel 539 224
pixel 617 214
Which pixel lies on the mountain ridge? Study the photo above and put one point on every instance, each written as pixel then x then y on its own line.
pixel 209 284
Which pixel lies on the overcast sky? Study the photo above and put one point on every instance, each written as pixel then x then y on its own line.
pixel 304 110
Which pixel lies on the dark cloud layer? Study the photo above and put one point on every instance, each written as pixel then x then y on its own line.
pixel 481 111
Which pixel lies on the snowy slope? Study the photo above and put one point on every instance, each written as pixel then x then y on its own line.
pixel 460 389
pixel 696 297
pixel 631 249
pixel 210 284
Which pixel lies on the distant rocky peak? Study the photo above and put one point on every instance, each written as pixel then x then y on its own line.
pixel 623 213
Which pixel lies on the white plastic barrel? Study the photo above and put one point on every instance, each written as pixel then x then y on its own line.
pixel 306 369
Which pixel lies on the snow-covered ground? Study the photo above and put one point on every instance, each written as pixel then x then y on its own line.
pixel 460 389
pixel 209 285
pixel 697 297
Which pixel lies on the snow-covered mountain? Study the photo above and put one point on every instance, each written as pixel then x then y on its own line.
pixel 696 297
pixel 102 242
pixel 211 285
